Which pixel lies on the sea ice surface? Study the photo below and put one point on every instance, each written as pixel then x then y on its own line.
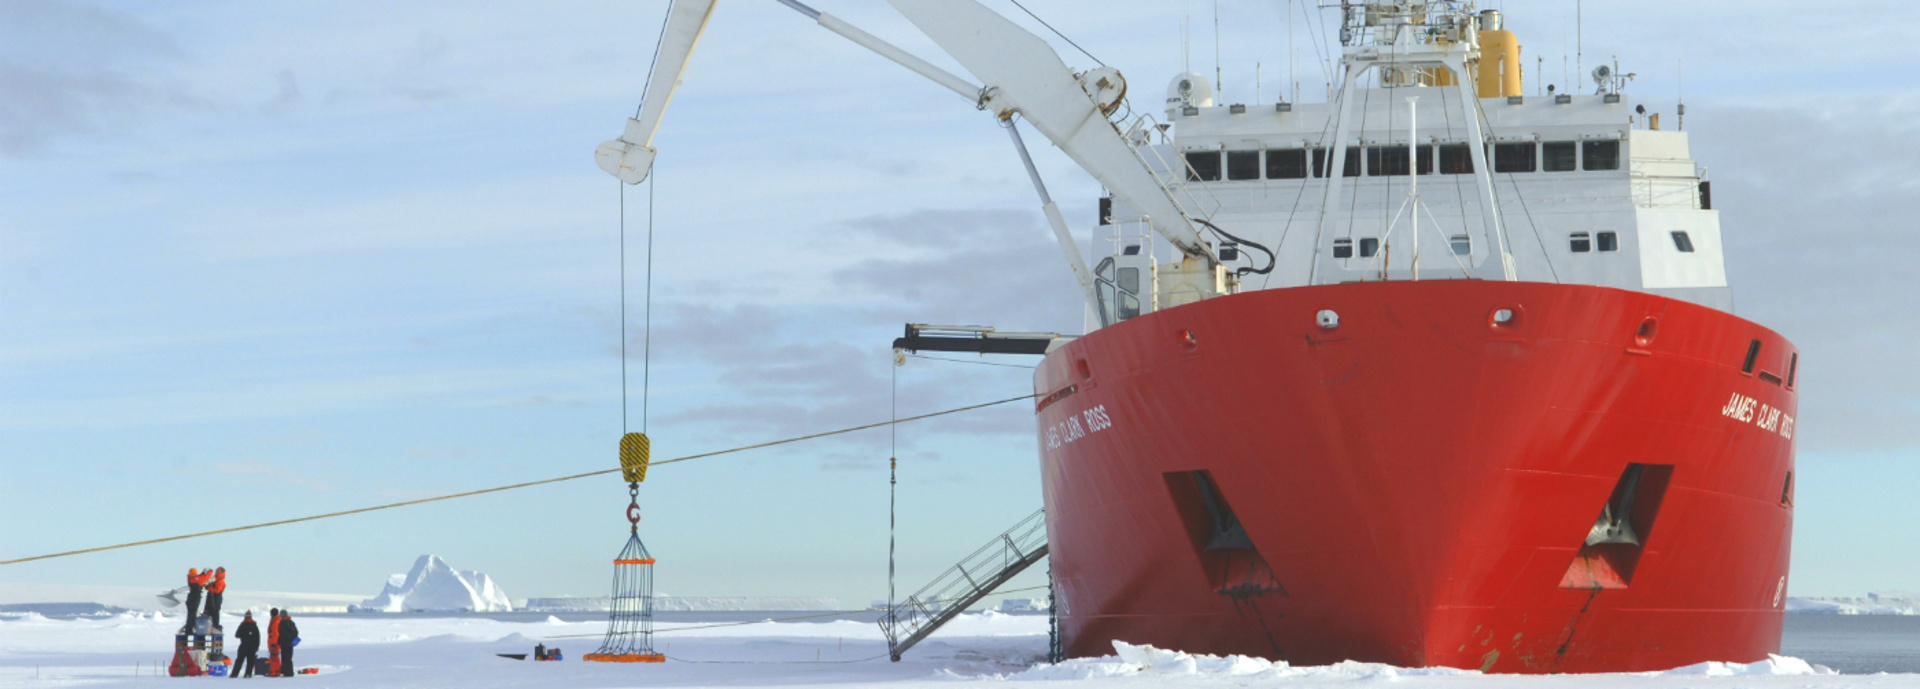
pixel 985 649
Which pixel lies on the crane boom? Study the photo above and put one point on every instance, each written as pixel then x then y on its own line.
pixel 630 157
pixel 1025 75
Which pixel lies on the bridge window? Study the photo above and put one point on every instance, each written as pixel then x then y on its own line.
pixel 1557 156
pixel 1320 162
pixel 1682 242
pixel 1456 159
pixel 1513 157
pixel 1391 161
pixel 1369 246
pixel 1462 244
pixel 1608 241
pixel 1600 155
pixel 1203 166
pixel 1289 163
pixel 1243 165
pixel 1343 248
pixel 1581 242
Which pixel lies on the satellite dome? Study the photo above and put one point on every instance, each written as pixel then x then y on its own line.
pixel 1188 89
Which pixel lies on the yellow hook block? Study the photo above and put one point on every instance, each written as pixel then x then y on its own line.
pixel 635 452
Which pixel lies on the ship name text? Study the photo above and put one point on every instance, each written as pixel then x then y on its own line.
pixel 1749 410
pixel 1077 426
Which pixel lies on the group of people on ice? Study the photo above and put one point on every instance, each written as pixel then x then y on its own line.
pixel 282 634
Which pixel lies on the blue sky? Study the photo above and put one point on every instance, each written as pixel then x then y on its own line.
pixel 265 260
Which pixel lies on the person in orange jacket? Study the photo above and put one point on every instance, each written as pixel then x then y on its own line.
pixel 194 582
pixel 273 643
pixel 215 592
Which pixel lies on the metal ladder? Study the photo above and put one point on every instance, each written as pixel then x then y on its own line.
pixel 958 588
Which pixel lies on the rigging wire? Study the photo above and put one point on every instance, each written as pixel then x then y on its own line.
pixel 1280 245
pixel 646 348
pixel 514 486
pixel 623 306
pixel 970 361
pixel 1056 32
pixel 893 470
pixel 657 42
pixel 1487 126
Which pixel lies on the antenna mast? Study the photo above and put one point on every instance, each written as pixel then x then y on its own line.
pixel 1579 38
pixel 1217 87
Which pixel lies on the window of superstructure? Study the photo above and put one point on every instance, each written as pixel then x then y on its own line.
pixel 1608 241
pixel 1462 244
pixel 1320 162
pixel 1243 165
pixel 1387 161
pixel 1682 242
pixel 1391 161
pixel 1286 163
pixel 1203 166
pixel 1516 157
pixel 1600 155
pixel 1456 159
pixel 1343 248
pixel 1581 242
pixel 1558 156
pixel 1369 246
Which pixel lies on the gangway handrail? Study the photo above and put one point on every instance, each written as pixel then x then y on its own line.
pixel 951 593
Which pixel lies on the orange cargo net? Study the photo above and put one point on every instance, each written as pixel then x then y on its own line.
pixel 624 658
pixel 641 561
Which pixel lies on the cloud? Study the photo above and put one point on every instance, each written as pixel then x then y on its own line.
pixel 70 69
pixel 789 370
pixel 969 267
pixel 1816 204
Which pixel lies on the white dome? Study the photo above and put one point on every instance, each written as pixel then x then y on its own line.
pixel 1188 89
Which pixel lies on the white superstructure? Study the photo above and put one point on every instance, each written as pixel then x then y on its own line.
pixel 1584 188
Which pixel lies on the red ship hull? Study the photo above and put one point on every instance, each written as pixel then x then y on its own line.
pixel 1417 485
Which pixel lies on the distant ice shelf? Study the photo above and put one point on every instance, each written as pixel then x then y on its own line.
pixel 1876 603
pixel 666 603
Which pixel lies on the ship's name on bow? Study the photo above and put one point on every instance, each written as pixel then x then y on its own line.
pixel 1749 410
pixel 1076 426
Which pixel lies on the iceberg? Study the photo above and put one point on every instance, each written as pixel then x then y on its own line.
pixel 434 585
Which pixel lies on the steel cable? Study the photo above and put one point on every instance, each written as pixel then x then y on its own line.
pixel 498 489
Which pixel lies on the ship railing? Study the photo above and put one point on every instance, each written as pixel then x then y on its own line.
pixel 964 584
pixel 1665 191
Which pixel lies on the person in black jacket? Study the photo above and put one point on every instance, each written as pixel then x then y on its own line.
pixel 248 658
pixel 194 583
pixel 288 634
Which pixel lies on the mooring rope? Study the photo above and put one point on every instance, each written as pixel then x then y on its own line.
pixel 515 486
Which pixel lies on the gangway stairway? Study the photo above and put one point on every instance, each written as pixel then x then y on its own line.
pixel 958 588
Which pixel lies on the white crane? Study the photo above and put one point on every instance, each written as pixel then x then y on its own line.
pixel 1024 76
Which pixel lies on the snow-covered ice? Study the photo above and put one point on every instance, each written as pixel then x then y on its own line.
pixel 983 649
pixel 434 585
